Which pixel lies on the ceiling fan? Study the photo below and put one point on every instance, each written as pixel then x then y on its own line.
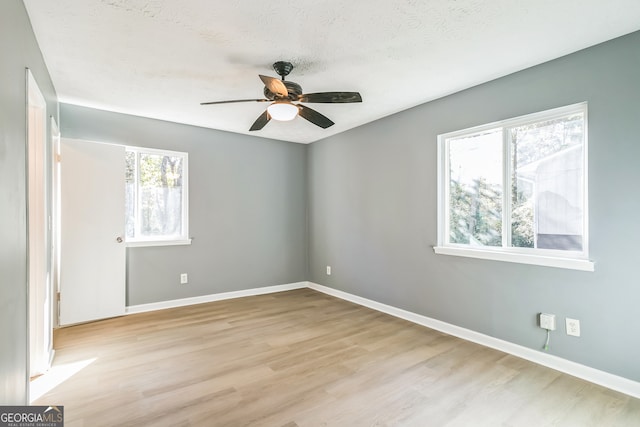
pixel 282 95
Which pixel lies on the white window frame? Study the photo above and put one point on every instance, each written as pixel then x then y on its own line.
pixel 182 239
pixel 577 260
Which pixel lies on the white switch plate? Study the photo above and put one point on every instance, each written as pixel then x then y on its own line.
pixel 573 327
pixel 328 270
pixel 184 279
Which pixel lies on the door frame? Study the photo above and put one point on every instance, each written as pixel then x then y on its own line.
pixel 39 289
pixel 55 224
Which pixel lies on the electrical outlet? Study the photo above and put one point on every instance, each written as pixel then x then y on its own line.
pixel 573 327
pixel 328 270
pixel 184 278
pixel 548 321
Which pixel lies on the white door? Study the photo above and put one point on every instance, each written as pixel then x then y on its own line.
pixel 92 253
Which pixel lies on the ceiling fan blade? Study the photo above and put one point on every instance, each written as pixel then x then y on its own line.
pixel 275 86
pixel 314 117
pixel 331 97
pixel 234 100
pixel 261 121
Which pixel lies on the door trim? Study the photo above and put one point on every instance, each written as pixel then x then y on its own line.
pixel 39 292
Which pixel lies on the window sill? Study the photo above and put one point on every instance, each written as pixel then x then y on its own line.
pixel 546 261
pixel 158 243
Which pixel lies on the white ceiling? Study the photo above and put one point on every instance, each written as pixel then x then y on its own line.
pixel 161 58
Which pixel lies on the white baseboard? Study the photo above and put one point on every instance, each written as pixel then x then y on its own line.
pixel 141 308
pixel 605 379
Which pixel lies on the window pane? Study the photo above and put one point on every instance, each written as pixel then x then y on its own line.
pixel 547 187
pixel 475 189
pixel 160 199
pixel 130 193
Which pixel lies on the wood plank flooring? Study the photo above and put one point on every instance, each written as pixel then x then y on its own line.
pixel 302 358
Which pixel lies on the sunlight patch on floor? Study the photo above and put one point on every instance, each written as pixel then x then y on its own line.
pixel 56 376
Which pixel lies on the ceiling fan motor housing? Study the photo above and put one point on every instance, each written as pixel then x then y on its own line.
pixel 294 89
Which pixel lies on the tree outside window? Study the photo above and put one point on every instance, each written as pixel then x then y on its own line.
pixel 518 184
pixel 155 194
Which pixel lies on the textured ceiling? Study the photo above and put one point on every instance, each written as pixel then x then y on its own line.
pixel 161 58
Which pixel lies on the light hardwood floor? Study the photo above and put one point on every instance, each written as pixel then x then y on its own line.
pixel 302 358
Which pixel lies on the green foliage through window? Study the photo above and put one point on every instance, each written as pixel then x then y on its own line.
pixel 155 204
pixel 520 184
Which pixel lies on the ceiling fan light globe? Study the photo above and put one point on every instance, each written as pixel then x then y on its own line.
pixel 282 111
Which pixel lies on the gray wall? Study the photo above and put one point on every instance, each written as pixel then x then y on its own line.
pixel 247 207
pixel 18 50
pixel 371 207
pixel 372 214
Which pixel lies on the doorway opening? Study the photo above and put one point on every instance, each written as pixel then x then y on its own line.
pixel 39 288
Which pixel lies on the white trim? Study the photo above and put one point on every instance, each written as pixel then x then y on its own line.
pixel 546 261
pixel 520 120
pixel 605 379
pixel 38 212
pixel 181 239
pixel 141 308
pixel 141 243
pixel 55 222
pixel 596 376
pixel 156 151
pixel 585 184
pixel 576 260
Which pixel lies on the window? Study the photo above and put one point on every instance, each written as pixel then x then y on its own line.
pixel 156 197
pixel 517 190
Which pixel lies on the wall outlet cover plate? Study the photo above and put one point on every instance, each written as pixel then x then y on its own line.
pixel 573 327
pixel 548 321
